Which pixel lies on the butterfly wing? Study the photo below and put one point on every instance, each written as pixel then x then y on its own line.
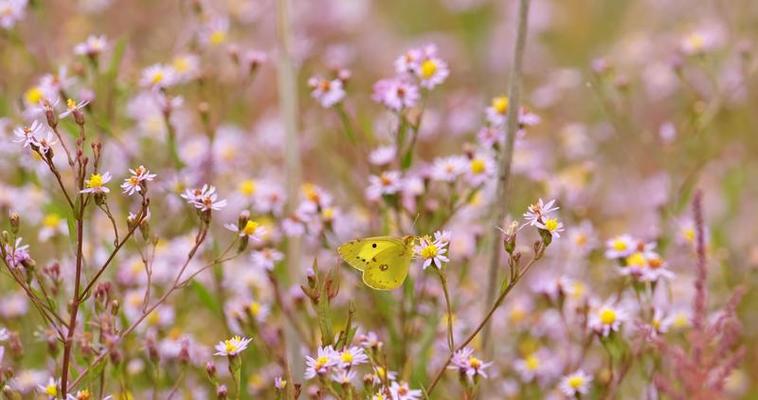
pixel 389 268
pixel 359 253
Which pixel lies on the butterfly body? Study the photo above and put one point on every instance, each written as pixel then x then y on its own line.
pixel 384 260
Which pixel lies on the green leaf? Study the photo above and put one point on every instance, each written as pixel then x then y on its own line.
pixel 206 298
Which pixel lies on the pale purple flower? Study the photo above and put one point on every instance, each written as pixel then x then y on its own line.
pixel 232 347
pixel 322 363
pixel 17 254
pixel 433 251
pixel 93 46
pixel 204 199
pixel 387 183
pixel 352 356
pixel 401 391
pixel 536 213
pixel 325 91
pixel 96 183
pixel 395 94
pixel 575 383
pixel 266 258
pixel 464 361
pixel 382 155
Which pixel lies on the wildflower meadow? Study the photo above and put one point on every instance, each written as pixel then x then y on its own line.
pixel 381 200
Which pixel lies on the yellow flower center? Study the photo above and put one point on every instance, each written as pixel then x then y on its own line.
pixel 577 290
pixel 607 316
pixel 250 227
pixel 34 95
pixel 576 381
pixel 477 166
pixel 500 104
pixel 217 37
pixel 681 321
pixel 380 372
pixel 321 362
pixel 247 187
pixel 95 181
pixel 230 346
pixel 429 251
pixel 157 77
pixel 636 260
pixel 154 318
pixel 689 234
pixel 346 357
pixel 174 333
pixel 51 390
pixel 327 213
pixel 619 245
pixel 580 239
pixel 255 308
pixel 474 362
pixel 70 104
pixel 83 395
pixel 518 314
pixel 551 224
pixel 51 220
pixel 310 192
pixel 532 362
pixel 428 69
pixel 696 41
pixel 181 64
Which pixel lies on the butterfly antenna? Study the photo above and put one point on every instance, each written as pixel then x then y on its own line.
pixel 413 226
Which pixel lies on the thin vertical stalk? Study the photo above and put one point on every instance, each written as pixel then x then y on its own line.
pixel 288 105
pixel 498 209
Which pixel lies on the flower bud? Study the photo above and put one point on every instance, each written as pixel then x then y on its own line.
pixel 15 222
pixel 221 392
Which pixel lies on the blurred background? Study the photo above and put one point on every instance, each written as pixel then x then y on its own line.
pixel 640 103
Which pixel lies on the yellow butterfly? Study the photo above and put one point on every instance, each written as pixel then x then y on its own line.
pixel 384 260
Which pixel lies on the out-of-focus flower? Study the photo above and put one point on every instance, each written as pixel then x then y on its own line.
pixel 92 47
pixel 50 389
pixel 96 183
pixel 204 198
pixel 481 167
pixel 186 67
pixel 401 391
pixel 448 169
pixel 11 12
pixel 620 247
pixel 382 155
pixel 497 111
pixel 344 376
pixel 607 319
pixel 388 183
pixel 158 76
pixel 575 384
pixel 325 91
pixel 433 251
pixel 215 31
pixel 266 258
pixel 252 229
pixel 396 94
pixel 52 224
pixel 232 347
pixel 72 106
pixel 465 362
